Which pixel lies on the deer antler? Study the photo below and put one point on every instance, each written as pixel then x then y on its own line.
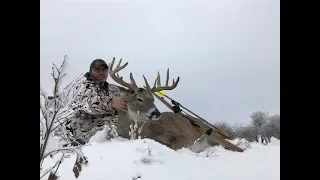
pixel 115 76
pixel 157 83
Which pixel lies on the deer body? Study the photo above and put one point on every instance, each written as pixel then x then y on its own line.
pixel 167 128
pixel 170 129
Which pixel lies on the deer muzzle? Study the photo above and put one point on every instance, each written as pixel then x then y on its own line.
pixel 155 115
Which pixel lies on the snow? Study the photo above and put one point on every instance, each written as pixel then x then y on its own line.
pixel 122 159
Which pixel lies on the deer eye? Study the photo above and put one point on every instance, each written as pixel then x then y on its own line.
pixel 139 99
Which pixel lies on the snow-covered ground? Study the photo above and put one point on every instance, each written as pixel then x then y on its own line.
pixel 121 159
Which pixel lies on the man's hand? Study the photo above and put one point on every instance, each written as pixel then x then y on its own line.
pixel 119 104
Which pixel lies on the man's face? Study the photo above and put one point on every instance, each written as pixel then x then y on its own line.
pixel 100 73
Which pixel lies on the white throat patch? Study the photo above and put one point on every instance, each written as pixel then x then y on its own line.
pixel 132 115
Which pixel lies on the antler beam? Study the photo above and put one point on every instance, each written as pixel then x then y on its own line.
pixel 157 83
pixel 115 76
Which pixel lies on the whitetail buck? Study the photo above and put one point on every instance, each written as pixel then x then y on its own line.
pixel 168 128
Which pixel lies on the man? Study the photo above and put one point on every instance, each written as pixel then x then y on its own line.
pixel 94 106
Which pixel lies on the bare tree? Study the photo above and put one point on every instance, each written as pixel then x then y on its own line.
pixel 271 128
pixel 248 132
pixel 275 123
pixel 261 125
pixel 227 128
pixel 52 109
pixel 258 119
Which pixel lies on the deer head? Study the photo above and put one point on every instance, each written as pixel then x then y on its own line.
pixel 139 99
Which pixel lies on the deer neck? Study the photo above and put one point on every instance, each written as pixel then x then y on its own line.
pixel 124 122
pixel 128 115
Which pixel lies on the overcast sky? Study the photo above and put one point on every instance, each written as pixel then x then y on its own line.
pixel 226 52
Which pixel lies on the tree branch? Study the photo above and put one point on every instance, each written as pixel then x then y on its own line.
pixel 43 94
pixel 57 163
pixel 72 149
pixel 55 110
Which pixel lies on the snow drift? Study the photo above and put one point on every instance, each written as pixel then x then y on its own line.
pixel 122 159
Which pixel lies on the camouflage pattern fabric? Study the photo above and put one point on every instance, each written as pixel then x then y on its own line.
pixel 92 110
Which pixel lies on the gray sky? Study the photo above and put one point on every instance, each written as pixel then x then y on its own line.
pixel 226 52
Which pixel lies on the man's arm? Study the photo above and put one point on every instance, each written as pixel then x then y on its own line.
pixel 92 103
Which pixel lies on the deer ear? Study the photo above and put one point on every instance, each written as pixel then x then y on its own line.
pixel 118 90
pixel 124 93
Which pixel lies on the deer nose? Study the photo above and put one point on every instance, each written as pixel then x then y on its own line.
pixel 156 113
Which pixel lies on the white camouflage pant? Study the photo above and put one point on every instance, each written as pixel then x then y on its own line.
pixel 84 137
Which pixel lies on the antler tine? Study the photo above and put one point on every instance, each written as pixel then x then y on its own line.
pixel 116 77
pixel 167 80
pixel 118 68
pixel 157 81
pixel 146 82
pixel 166 87
pixel 133 82
pixel 154 85
pixel 111 64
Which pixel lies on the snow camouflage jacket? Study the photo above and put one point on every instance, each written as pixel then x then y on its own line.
pixel 91 110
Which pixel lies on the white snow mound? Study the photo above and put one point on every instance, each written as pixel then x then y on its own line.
pixel 121 159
